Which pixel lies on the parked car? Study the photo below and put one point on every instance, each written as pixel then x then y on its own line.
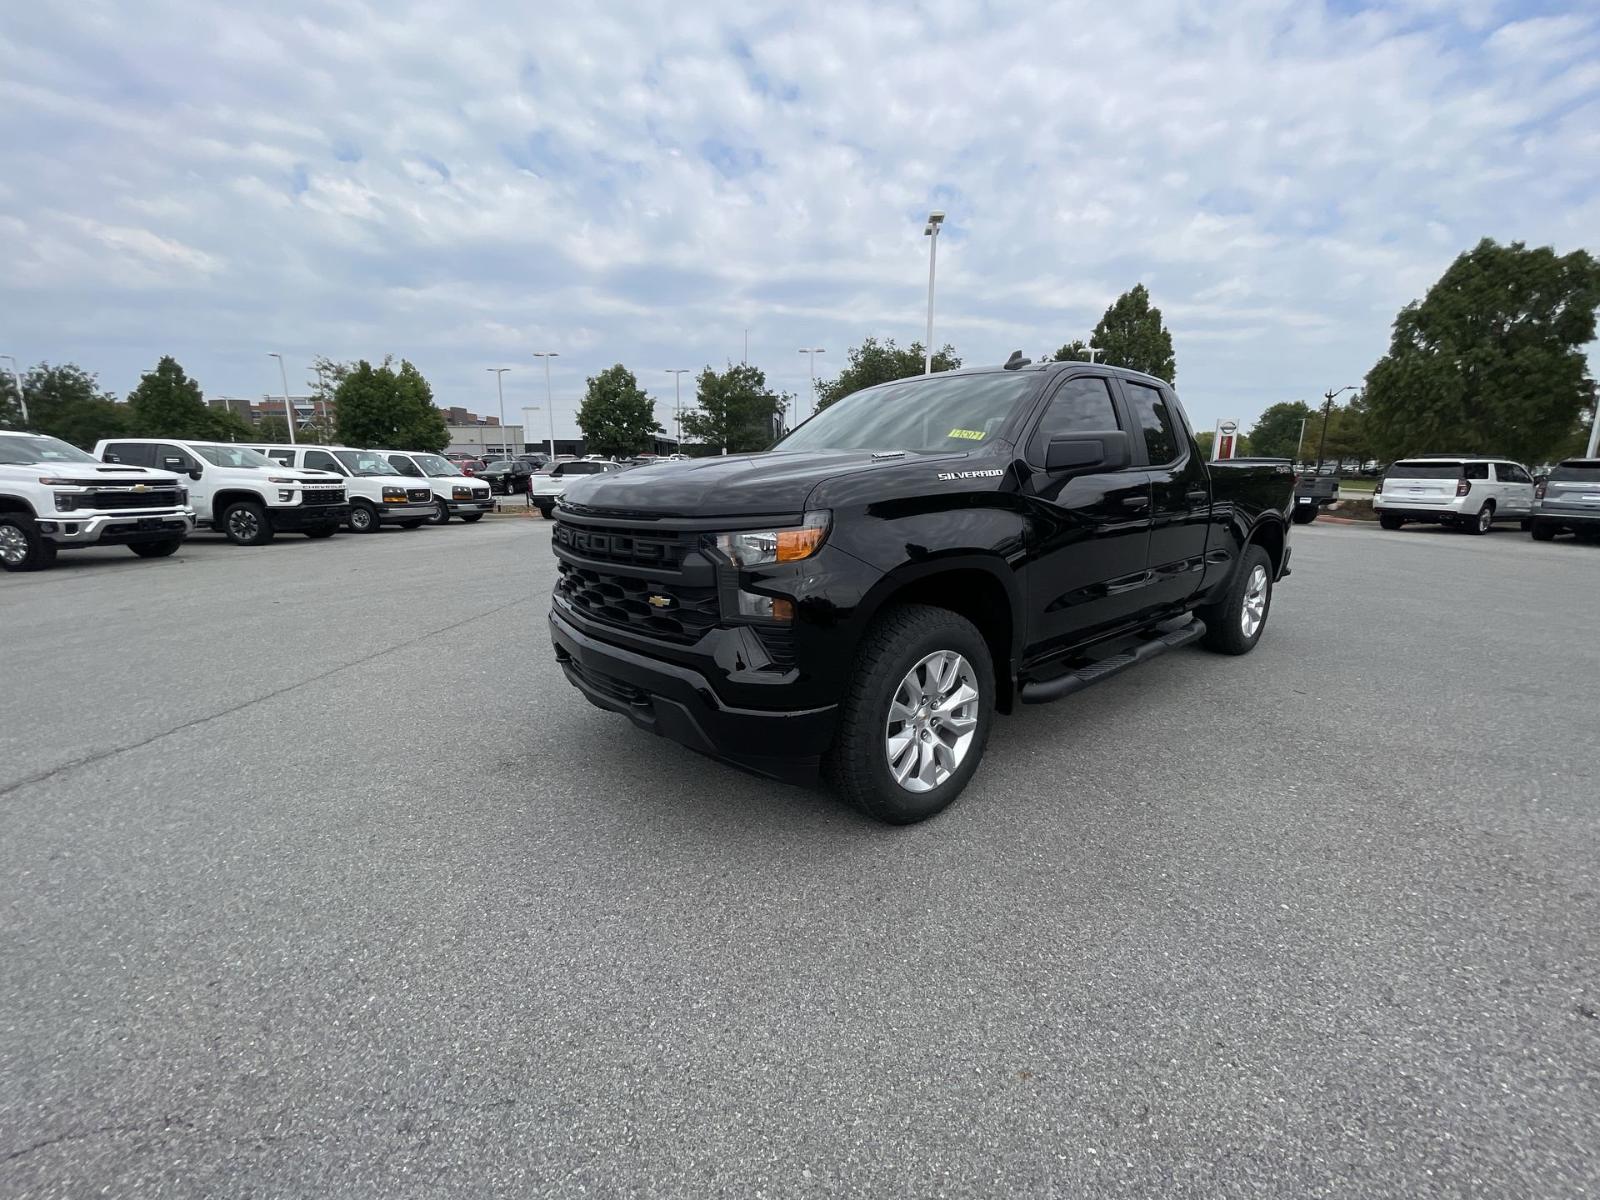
pixel 549 484
pixel 1313 493
pixel 55 497
pixel 508 477
pixel 1568 501
pixel 536 459
pixel 239 491
pixel 378 496
pixel 948 546
pixel 455 494
pixel 1465 492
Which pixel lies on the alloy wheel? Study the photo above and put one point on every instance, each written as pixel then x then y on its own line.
pixel 13 545
pixel 1254 609
pixel 933 716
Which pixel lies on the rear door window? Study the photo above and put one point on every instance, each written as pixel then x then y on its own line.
pixel 133 454
pixel 1475 470
pixel 1576 473
pixel 1424 470
pixel 1151 415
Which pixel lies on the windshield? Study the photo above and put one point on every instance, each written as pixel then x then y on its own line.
pixel 235 456
pixel 21 451
pixel 435 466
pixel 364 462
pixel 925 415
pixel 1576 472
pixel 1424 470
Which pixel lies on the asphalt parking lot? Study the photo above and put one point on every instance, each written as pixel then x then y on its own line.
pixel 320 880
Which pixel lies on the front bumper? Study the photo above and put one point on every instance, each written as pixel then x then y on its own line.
pixel 544 499
pixel 679 703
pixel 291 518
pixel 116 529
pixel 468 507
pixel 1439 513
pixel 395 514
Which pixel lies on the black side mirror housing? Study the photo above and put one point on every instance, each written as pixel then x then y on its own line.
pixel 1086 453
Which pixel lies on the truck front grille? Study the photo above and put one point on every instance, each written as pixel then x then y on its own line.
pixel 624 549
pixel 154 498
pixel 420 495
pixel 322 496
pixel 669 611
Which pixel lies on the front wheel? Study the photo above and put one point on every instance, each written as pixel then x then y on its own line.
pixel 246 524
pixel 1304 514
pixel 322 531
pixel 441 513
pixel 159 549
pixel 21 546
pixel 916 716
pixel 1234 623
pixel 471 518
pixel 412 524
pixel 363 517
pixel 1389 521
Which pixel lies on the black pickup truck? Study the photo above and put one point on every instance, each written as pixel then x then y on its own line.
pixel 921 555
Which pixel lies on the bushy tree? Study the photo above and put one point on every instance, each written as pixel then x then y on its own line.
pixel 1130 334
pixel 1074 351
pixel 273 428
pixel 737 411
pixel 10 406
pixel 1491 359
pixel 1276 433
pixel 167 403
pixel 386 409
pixel 423 426
pixel 874 362
pixel 616 416
pixel 67 402
pixel 1243 447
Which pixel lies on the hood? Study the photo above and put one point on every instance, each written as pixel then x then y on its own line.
pixel 732 485
pixel 91 474
pixel 312 475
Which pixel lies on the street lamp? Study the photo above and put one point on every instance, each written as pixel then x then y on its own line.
pixel 547 355
pixel 499 388
pixel 1092 351
pixel 931 232
pixel 18 376
pixel 1327 410
pixel 811 352
pixel 288 412
pixel 677 374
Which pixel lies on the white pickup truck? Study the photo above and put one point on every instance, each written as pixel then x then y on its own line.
pixel 377 495
pixel 455 493
pixel 54 497
pixel 237 491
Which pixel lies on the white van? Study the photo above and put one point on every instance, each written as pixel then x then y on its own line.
pixel 238 491
pixel 455 493
pixel 1464 492
pixel 377 495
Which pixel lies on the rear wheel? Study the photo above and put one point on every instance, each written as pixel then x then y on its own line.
pixel 1481 523
pixel 21 546
pixel 545 510
pixel 1389 521
pixel 1542 531
pixel 322 531
pixel 1304 514
pixel 471 518
pixel 916 716
pixel 363 517
pixel 159 549
pixel 441 513
pixel 1234 623
pixel 246 524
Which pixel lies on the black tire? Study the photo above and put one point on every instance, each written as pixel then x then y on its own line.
pixel 1389 521
pixel 22 548
pixel 363 517
pixel 1304 514
pixel 246 524
pixel 159 549
pixel 1480 523
pixel 1225 623
pixel 545 510
pixel 1542 531
pixel 441 513
pixel 471 518
pixel 322 531
pixel 858 762
pixel 413 524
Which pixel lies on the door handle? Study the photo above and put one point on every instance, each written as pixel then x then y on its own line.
pixel 1136 502
pixel 1197 497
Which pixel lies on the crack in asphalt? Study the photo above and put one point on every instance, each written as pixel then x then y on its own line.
pixel 164 1125
pixel 102 755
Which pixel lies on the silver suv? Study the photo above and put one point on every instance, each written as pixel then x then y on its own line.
pixel 1568 499
pixel 1465 492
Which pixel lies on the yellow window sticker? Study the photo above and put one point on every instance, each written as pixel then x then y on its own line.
pixel 971 435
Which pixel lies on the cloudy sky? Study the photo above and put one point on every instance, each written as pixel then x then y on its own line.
pixel 465 183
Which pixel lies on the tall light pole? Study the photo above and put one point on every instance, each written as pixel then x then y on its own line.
pixel 499 373
pixel 1327 410
pixel 550 403
pixel 1594 428
pixel 811 353
pixel 931 232
pixel 1300 441
pixel 1092 351
pixel 288 412
pixel 23 399
pixel 677 374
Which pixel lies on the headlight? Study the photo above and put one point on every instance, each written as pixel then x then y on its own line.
pixel 461 493
pixel 66 502
pixel 754 548
pixel 394 495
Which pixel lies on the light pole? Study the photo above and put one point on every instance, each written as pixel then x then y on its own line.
pixel 931 232
pixel 811 353
pixel 288 412
pixel 547 355
pixel 1092 351
pixel 23 399
pixel 1299 441
pixel 319 407
pixel 499 373
pixel 1327 410
pixel 677 374
pixel 1594 428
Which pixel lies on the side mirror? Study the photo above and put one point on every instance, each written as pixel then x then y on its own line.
pixel 194 473
pixel 1084 453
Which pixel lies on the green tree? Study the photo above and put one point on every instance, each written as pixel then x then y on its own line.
pixel 1276 433
pixel 167 403
pixel 1491 359
pixel 1074 351
pixel 1207 438
pixel 738 412
pixel 272 428
pixel 67 402
pixel 10 406
pixel 874 362
pixel 616 417
pixel 1131 335
pixel 386 409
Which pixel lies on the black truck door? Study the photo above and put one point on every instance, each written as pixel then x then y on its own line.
pixel 1180 497
pixel 1087 552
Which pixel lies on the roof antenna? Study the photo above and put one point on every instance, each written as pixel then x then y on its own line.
pixel 1016 362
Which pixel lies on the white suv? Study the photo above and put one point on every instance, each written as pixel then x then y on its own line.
pixel 549 482
pixel 378 496
pixel 53 497
pixel 237 491
pixel 1467 493
pixel 455 493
